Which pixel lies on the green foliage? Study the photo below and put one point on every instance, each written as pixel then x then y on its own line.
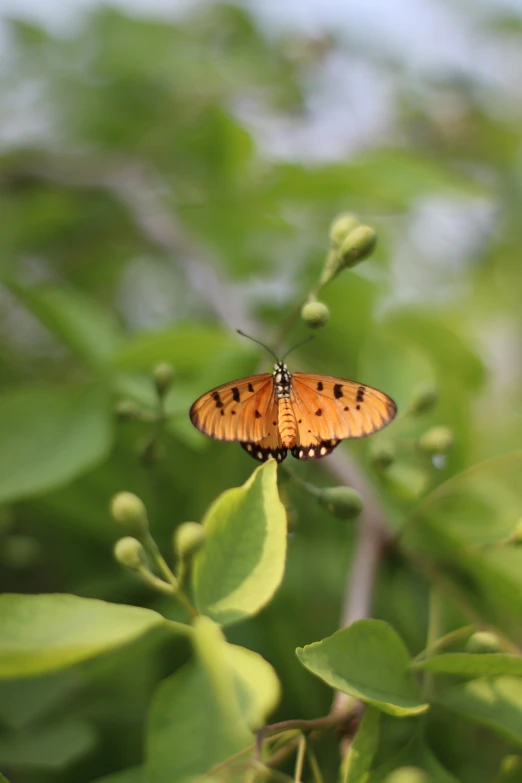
pixel 368 661
pixel 146 215
pixel 41 633
pixel 241 565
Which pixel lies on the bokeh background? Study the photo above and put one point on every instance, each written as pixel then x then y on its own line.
pixel 168 173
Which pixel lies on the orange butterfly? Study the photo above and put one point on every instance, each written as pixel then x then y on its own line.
pixel 307 413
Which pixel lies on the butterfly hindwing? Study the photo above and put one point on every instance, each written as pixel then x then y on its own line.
pixel 236 411
pixel 271 446
pixel 330 409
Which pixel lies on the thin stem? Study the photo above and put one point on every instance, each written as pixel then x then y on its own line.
pixel 154 581
pixel 314 766
pixel 434 632
pixel 299 762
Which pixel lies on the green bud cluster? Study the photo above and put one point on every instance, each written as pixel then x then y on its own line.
pixel 382 456
pixel 351 243
pixel 128 510
pixel 163 377
pixel 424 399
pixel 315 314
pixel 408 775
pixel 437 440
pixel 188 539
pixel 341 502
pixel 129 552
pixel 483 642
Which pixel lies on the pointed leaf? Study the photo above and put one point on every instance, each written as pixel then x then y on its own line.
pixel 257 686
pixel 495 703
pixel 357 763
pixel 242 563
pixel 473 665
pixel 196 721
pixel 49 437
pixel 369 661
pixel 41 633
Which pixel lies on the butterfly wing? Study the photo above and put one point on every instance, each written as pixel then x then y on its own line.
pixel 330 409
pixel 271 446
pixel 237 411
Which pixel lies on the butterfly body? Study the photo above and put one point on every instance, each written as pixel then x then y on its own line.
pixel 308 414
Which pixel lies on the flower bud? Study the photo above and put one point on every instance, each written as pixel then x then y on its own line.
pixel 163 377
pixel 341 227
pixel 315 314
pixel 129 510
pixel 423 399
pixel 188 539
pixel 129 552
pixel 358 245
pixel 437 440
pixel 126 410
pixel 382 456
pixel 342 502
pixel 483 642
pixel 408 775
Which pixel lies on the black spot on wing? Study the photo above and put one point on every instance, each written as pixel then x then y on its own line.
pixel 338 391
pixel 262 454
pixel 258 415
pixel 250 387
pixel 217 399
pixel 235 394
pixel 315 450
pixel 320 386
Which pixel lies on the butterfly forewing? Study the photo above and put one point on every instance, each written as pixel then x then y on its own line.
pixel 326 410
pixel 330 409
pixel 236 411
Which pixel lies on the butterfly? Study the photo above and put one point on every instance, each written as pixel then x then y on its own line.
pixel 308 414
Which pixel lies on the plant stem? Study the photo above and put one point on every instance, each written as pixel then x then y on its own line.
pixel 299 762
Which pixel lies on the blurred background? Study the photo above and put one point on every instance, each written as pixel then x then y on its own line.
pixel 168 173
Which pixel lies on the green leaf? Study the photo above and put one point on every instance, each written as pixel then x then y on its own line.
pixel 495 703
pixel 130 775
pixel 79 322
pixel 242 563
pixel 367 660
pixel 357 763
pixel 457 529
pixel 185 346
pixel 41 633
pixel 24 701
pixel 257 686
pixel 415 754
pixel 49 437
pixel 196 720
pixel 53 745
pixel 473 665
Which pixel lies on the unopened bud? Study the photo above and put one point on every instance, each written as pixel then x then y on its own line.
pixel 382 456
pixel 341 227
pixel 408 775
pixel 129 510
pixel 163 377
pixel 129 552
pixel 188 539
pixel 423 399
pixel 126 410
pixel 315 314
pixel 358 245
pixel 483 642
pixel 342 502
pixel 437 440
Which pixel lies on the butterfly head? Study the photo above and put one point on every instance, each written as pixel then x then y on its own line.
pixel 282 379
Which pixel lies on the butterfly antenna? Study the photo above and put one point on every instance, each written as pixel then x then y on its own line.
pixel 298 346
pixel 258 342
